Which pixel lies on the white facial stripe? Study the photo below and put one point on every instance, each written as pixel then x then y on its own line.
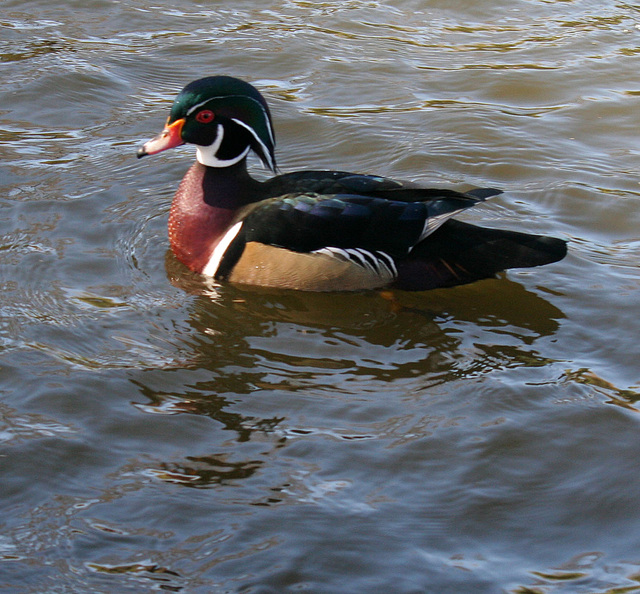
pixel 264 111
pixel 214 262
pixel 253 132
pixel 199 105
pixel 265 150
pixel 218 141
pixel 207 154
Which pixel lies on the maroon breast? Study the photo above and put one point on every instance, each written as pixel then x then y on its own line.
pixel 195 227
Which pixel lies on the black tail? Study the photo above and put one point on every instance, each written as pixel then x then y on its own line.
pixel 484 193
pixel 460 253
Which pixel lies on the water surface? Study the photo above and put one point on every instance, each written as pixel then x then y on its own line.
pixel 160 434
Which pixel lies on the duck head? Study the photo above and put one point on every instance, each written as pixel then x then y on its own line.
pixel 224 117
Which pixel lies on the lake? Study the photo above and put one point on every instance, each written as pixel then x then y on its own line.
pixel 162 433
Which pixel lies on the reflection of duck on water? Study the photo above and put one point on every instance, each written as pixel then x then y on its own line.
pixel 260 357
pixel 317 230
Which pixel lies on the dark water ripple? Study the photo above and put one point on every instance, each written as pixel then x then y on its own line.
pixel 159 433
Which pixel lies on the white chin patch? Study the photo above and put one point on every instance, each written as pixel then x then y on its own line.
pixel 206 155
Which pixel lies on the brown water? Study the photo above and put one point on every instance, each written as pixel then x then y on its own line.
pixel 159 435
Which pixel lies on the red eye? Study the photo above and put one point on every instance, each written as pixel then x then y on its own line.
pixel 205 116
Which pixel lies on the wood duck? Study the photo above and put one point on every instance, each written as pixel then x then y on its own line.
pixel 317 230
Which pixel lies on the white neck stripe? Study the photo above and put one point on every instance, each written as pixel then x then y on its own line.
pixel 213 264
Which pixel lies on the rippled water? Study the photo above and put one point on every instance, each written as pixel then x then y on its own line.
pixel 159 434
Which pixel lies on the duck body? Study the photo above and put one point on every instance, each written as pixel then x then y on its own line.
pixel 317 230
